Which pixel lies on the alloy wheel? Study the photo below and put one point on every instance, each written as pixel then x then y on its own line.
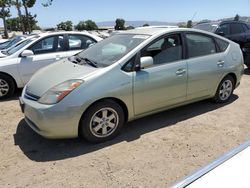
pixel 104 122
pixel 226 90
pixel 4 88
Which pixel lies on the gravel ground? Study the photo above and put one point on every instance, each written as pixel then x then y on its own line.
pixel 155 151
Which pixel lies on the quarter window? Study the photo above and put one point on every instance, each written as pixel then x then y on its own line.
pixel 200 45
pixel 78 42
pixel 48 45
pixel 165 50
pixel 222 44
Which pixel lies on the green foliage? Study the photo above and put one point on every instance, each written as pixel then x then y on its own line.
pixel 145 25
pixel 66 26
pixel 86 25
pixel 80 26
pixel 47 3
pixel 120 24
pixel 189 24
pixel 237 17
pixel 14 24
pixel 90 25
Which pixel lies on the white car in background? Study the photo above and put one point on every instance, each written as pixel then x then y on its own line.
pixel 23 60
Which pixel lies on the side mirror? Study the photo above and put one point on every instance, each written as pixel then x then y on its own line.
pixel 221 33
pixel 146 62
pixel 27 53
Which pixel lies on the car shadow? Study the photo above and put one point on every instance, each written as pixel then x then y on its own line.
pixel 16 95
pixel 247 71
pixel 40 149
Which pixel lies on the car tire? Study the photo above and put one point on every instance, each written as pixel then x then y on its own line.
pixel 102 121
pixel 7 86
pixel 225 90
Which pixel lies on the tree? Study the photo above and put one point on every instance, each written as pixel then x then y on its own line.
pixel 189 24
pixel 80 26
pixel 18 6
pixel 90 25
pixel 237 17
pixel 66 26
pixel 13 24
pixel 47 3
pixel 120 24
pixel 28 17
pixel 4 13
pixel 145 25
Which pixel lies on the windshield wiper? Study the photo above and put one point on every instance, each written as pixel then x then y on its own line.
pixel 5 52
pixel 80 61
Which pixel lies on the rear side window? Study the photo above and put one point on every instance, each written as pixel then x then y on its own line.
pixel 237 28
pixel 200 45
pixel 221 44
pixel 78 42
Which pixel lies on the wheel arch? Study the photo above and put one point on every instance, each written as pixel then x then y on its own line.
pixel 118 101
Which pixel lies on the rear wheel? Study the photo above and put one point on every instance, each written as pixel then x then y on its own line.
pixel 225 90
pixel 102 121
pixel 7 86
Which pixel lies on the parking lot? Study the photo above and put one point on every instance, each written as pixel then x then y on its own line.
pixel 155 151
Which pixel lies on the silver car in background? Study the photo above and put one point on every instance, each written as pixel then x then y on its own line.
pixel 127 76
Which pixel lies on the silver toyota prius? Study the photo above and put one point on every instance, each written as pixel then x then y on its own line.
pixel 127 76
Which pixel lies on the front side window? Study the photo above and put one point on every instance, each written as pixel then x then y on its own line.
pixel 79 42
pixel 165 50
pixel 48 45
pixel 224 29
pixel 237 28
pixel 200 45
pixel 112 49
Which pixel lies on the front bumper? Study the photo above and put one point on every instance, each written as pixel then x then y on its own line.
pixel 51 121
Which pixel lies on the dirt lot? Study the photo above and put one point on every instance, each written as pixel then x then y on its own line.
pixel 155 151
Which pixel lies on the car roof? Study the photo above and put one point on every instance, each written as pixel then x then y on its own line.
pixel 69 32
pixel 220 22
pixel 159 31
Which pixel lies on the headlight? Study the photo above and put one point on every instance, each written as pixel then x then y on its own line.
pixel 57 93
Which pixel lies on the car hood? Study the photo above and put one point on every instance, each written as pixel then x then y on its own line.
pixel 55 74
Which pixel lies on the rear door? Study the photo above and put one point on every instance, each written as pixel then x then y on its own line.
pixel 46 51
pixel 205 65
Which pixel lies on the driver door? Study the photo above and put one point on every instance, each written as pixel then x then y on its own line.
pixel 165 82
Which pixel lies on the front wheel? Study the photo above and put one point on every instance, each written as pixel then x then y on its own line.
pixel 102 121
pixel 224 90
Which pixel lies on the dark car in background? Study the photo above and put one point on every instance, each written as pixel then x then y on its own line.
pixel 237 31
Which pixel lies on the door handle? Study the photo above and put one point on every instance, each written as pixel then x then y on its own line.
pixel 220 63
pixel 180 72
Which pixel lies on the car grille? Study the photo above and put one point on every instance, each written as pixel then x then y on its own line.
pixel 30 96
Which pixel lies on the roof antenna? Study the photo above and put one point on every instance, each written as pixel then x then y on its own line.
pixel 194 16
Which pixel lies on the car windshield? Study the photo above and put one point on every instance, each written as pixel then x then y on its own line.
pixel 207 27
pixel 111 49
pixel 19 46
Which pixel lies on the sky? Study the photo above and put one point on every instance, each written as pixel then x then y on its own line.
pixel 133 10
